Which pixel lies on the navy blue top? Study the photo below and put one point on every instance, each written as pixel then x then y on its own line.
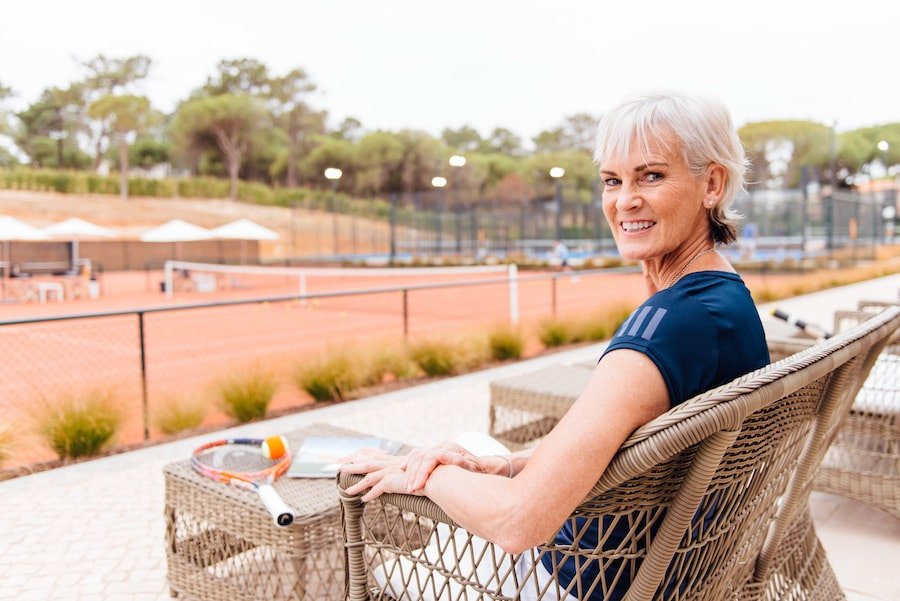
pixel 702 332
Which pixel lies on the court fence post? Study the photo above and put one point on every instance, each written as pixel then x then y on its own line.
pixel 405 313
pixel 512 272
pixel 140 315
pixel 553 295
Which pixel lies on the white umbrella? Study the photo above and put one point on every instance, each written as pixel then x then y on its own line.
pixel 13 229
pixel 75 229
pixel 244 229
pixel 176 231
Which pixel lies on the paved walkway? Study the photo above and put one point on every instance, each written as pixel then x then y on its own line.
pixel 95 530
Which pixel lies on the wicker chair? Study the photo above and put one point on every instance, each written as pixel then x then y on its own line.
pixel 713 493
pixel 863 463
pixel 525 408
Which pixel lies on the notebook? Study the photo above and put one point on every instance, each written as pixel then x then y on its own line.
pixel 319 456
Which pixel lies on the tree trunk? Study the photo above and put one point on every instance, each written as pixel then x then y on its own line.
pixel 123 167
pixel 234 166
pixel 292 153
pixel 98 150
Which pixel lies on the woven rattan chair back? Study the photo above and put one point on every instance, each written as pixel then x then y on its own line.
pixel 688 508
pixel 863 463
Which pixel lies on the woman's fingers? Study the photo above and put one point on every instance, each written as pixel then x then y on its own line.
pixel 368 481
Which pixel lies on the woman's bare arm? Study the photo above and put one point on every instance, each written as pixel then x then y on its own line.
pixel 625 392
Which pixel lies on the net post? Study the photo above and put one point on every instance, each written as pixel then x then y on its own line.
pixel 553 294
pixel 303 288
pixel 512 273
pixel 168 280
pixel 405 313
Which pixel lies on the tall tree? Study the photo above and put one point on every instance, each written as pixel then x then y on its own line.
pixel 350 129
pixel 549 140
pixel 238 76
pixel 227 119
pixel 126 115
pixel 111 76
pixel 580 131
pixel 5 93
pixel 287 99
pixel 49 123
pixel 503 141
pixel 464 139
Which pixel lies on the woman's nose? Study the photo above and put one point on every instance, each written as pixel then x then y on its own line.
pixel 628 198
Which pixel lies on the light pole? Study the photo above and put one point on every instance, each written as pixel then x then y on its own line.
pixel 887 206
pixel 439 184
pixel 557 173
pixel 832 178
pixel 458 161
pixel 333 175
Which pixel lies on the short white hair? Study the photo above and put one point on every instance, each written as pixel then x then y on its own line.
pixel 702 125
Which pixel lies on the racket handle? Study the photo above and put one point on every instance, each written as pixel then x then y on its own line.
pixel 280 511
pixel 810 328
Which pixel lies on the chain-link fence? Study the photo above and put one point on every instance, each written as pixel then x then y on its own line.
pixel 443 225
pixel 146 361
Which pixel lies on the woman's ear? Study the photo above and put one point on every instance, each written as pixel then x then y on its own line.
pixel 715 182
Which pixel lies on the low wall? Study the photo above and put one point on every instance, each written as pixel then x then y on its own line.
pixel 118 255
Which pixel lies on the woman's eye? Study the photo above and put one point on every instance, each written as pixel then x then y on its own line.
pixel 654 176
pixel 611 181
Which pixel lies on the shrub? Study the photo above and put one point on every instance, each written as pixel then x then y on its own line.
pixel 387 361
pixel 6 444
pixel 555 332
pixel 246 395
pixel 80 425
pixel 435 357
pixel 177 414
pixel 506 343
pixel 330 377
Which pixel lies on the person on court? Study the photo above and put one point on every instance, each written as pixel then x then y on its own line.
pixel 671 165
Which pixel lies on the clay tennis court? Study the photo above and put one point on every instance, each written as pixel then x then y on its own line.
pixel 188 350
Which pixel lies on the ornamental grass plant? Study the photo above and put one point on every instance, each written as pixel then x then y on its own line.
pixel 245 395
pixel 556 332
pixel 176 414
pixel 437 357
pixel 79 425
pixel 332 376
pixel 505 343
pixel 6 444
pixel 388 362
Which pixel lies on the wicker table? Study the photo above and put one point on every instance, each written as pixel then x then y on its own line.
pixel 526 407
pixel 221 543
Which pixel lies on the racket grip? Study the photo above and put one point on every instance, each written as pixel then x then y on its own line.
pixel 280 511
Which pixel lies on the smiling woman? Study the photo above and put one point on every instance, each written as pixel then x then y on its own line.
pixel 672 164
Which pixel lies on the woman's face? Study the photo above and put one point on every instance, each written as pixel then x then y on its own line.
pixel 653 203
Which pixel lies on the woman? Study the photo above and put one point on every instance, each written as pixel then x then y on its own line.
pixel 671 167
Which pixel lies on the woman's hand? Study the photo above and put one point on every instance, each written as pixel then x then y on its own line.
pixel 382 475
pixel 421 462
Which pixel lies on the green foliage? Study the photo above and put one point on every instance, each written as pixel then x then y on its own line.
pixel 436 357
pixel 386 361
pixel 555 332
pixel 506 343
pixel 80 425
pixel 331 376
pixel 602 325
pixel 245 395
pixel 176 414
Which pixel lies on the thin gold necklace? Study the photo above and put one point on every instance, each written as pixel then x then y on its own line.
pixel 689 263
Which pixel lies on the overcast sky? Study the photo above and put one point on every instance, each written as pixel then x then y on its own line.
pixel 519 64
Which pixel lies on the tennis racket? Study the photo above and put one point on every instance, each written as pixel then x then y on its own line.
pixel 240 462
pixel 811 329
